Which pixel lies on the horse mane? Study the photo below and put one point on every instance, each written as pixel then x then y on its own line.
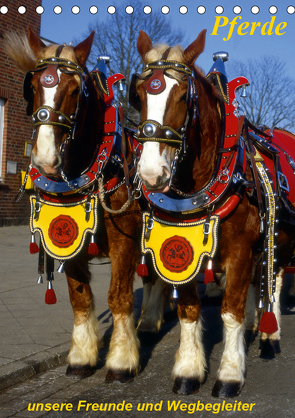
pixel 18 49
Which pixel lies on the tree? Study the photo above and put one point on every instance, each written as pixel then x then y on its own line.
pixel 271 94
pixel 117 37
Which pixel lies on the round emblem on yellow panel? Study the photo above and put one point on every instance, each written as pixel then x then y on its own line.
pixel 176 254
pixel 63 231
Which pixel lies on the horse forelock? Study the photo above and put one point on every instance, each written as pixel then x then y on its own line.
pixel 175 54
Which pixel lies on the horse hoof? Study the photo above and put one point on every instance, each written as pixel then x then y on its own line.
pixel 269 348
pixel 184 386
pixel 226 389
pixel 80 371
pixel 121 376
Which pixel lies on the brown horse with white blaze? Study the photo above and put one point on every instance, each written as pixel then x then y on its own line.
pixel 163 93
pixel 63 98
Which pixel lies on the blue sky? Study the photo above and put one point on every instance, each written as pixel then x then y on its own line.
pixel 67 26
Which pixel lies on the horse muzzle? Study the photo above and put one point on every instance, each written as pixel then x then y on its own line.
pixel 156 183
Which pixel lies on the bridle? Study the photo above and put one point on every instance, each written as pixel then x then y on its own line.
pixel 150 130
pixel 46 115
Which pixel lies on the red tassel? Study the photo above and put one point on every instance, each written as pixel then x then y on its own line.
pixel 268 323
pixel 50 297
pixel 209 275
pixel 142 270
pixel 34 248
pixel 93 249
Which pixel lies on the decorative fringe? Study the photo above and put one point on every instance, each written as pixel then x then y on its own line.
pixel 93 248
pixel 268 323
pixel 50 297
pixel 142 269
pixel 34 249
pixel 209 275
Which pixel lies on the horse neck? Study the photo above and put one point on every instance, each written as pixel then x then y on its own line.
pixel 203 141
pixel 88 132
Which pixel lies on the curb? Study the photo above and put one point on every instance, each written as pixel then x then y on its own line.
pixel 23 369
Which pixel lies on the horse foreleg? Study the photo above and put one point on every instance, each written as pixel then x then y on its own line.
pixel 83 354
pixel 190 363
pixel 123 357
pixel 270 343
pixel 230 376
pixel 151 317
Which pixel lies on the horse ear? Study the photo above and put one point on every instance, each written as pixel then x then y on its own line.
pixel 82 50
pixel 192 52
pixel 35 42
pixel 144 43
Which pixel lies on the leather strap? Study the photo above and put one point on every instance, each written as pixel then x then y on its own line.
pixel 254 168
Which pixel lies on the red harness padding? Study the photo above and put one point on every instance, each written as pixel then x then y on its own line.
pixel 284 142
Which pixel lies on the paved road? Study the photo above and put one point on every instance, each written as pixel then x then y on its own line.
pixel 269 383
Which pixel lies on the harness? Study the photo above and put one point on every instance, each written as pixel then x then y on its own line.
pixel 181 230
pixel 65 211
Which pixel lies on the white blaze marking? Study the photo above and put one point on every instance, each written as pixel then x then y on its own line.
pixel 151 162
pixel 156 103
pixel 45 140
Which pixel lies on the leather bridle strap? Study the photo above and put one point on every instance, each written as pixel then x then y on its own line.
pixel 254 169
pixel 46 115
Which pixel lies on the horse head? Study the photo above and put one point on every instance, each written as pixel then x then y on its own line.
pixel 61 97
pixel 167 95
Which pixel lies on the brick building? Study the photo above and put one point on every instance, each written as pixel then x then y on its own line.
pixel 15 125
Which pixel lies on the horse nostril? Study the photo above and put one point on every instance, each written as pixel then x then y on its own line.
pixel 56 161
pixel 166 172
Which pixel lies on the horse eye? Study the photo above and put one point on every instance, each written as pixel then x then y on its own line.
pixel 183 97
pixel 75 92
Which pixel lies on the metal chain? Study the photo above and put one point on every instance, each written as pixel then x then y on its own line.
pixel 21 190
pixel 70 186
